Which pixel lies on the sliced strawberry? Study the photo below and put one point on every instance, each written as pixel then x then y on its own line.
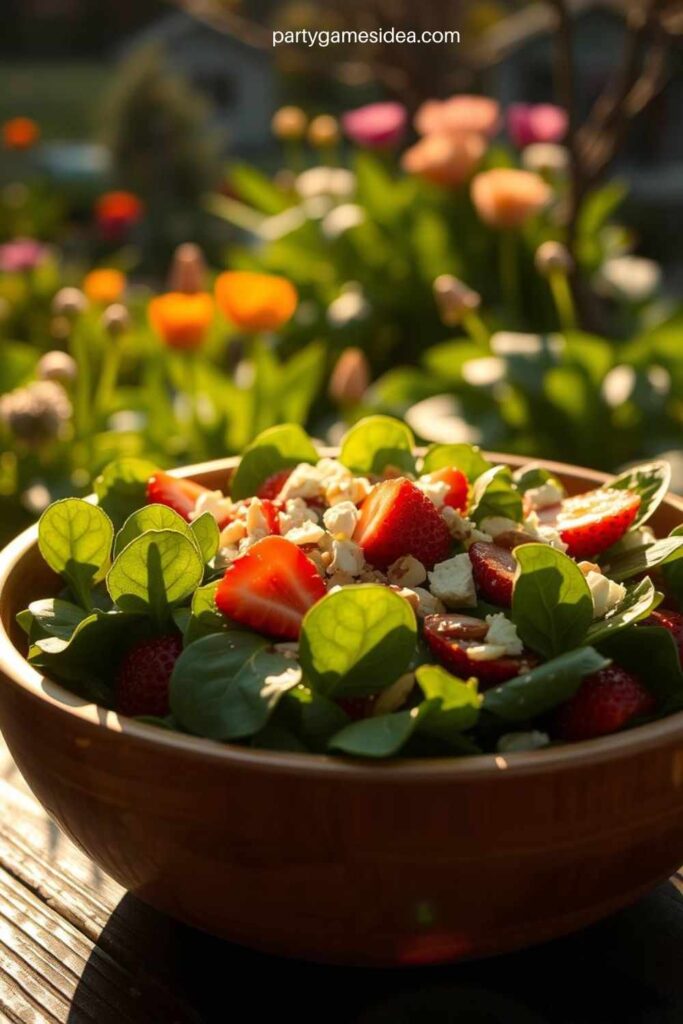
pixel 458 486
pixel 271 487
pixel 493 568
pixel 605 702
pixel 142 680
pixel 397 519
pixel 668 619
pixel 270 588
pixel 450 637
pixel 271 515
pixel 180 495
pixel 590 523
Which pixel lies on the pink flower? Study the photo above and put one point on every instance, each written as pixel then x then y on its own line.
pixel 528 123
pixel 377 125
pixel 21 254
pixel 459 114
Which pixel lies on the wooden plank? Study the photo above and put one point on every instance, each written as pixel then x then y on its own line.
pixel 72 946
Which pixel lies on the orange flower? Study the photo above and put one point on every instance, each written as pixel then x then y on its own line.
pixel 116 212
pixel 20 133
pixel 181 320
pixel 445 160
pixel 459 114
pixel 506 198
pixel 104 286
pixel 256 302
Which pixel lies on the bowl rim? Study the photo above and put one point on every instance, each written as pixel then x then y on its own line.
pixel 17 672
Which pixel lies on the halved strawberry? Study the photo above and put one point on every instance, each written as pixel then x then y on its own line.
pixel 397 519
pixel 668 619
pixel 605 702
pixel 272 485
pixel 180 495
pixel 493 568
pixel 270 588
pixel 590 523
pixel 458 486
pixel 450 636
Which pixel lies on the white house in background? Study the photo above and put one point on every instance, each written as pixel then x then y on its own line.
pixel 237 79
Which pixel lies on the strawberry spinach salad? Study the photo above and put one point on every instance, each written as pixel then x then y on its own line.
pixel 374 604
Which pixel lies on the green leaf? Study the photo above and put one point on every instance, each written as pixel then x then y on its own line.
pixel 528 477
pixel 376 442
pixel 150 517
pixel 357 641
pixel 459 700
pixel 312 717
pixel 381 736
pixel 544 687
pixel 627 564
pixel 206 534
pixel 225 686
pixel 121 488
pixel 651 653
pixel 56 617
pixel 494 494
pixel 204 617
pixel 155 571
pixel 639 601
pixel 465 457
pixel 651 481
pixel 552 605
pixel 275 449
pixel 75 539
pixel 87 661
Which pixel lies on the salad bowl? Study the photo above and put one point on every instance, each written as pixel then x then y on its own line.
pixel 403 862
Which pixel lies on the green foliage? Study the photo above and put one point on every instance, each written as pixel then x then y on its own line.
pixel 551 603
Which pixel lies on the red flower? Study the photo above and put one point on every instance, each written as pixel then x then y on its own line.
pixel 116 213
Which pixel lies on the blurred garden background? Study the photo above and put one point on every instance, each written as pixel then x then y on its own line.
pixel 202 235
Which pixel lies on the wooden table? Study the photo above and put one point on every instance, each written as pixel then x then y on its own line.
pixel 76 948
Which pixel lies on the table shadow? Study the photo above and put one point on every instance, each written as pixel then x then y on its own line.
pixel 626 970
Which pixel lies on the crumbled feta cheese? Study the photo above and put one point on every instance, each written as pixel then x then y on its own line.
pixel 408 595
pixel 428 604
pixel 257 524
pixel 495 525
pixel 296 513
pixel 503 632
pixel 303 482
pixel 463 529
pixel 407 571
pixel 339 579
pixel 547 494
pixel 395 696
pixel 214 502
pixel 485 652
pixel 636 538
pixel 308 533
pixel 605 592
pixel 514 742
pixel 435 490
pixel 341 519
pixel 347 556
pixel 453 583
pixel 370 575
pixel 226 556
pixel 350 488
pixel 544 532
pixel 233 532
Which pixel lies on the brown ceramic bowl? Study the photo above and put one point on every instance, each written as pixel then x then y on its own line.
pixel 339 860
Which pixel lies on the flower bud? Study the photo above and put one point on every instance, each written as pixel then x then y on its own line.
pixel 70 302
pixel 553 258
pixel 289 124
pixel 36 413
pixel 57 366
pixel 323 131
pixel 116 320
pixel 188 270
pixel 350 378
pixel 454 299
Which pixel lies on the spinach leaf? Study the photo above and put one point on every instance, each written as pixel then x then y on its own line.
pixel 631 563
pixel 544 687
pixel 381 736
pixel 274 449
pixel 465 457
pixel 121 488
pixel 150 517
pixel 651 481
pixel 376 442
pixel 157 570
pixel 651 653
pixel 206 534
pixel 75 539
pixel 639 601
pixel 459 701
pixel 357 641
pixel 551 601
pixel 494 494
